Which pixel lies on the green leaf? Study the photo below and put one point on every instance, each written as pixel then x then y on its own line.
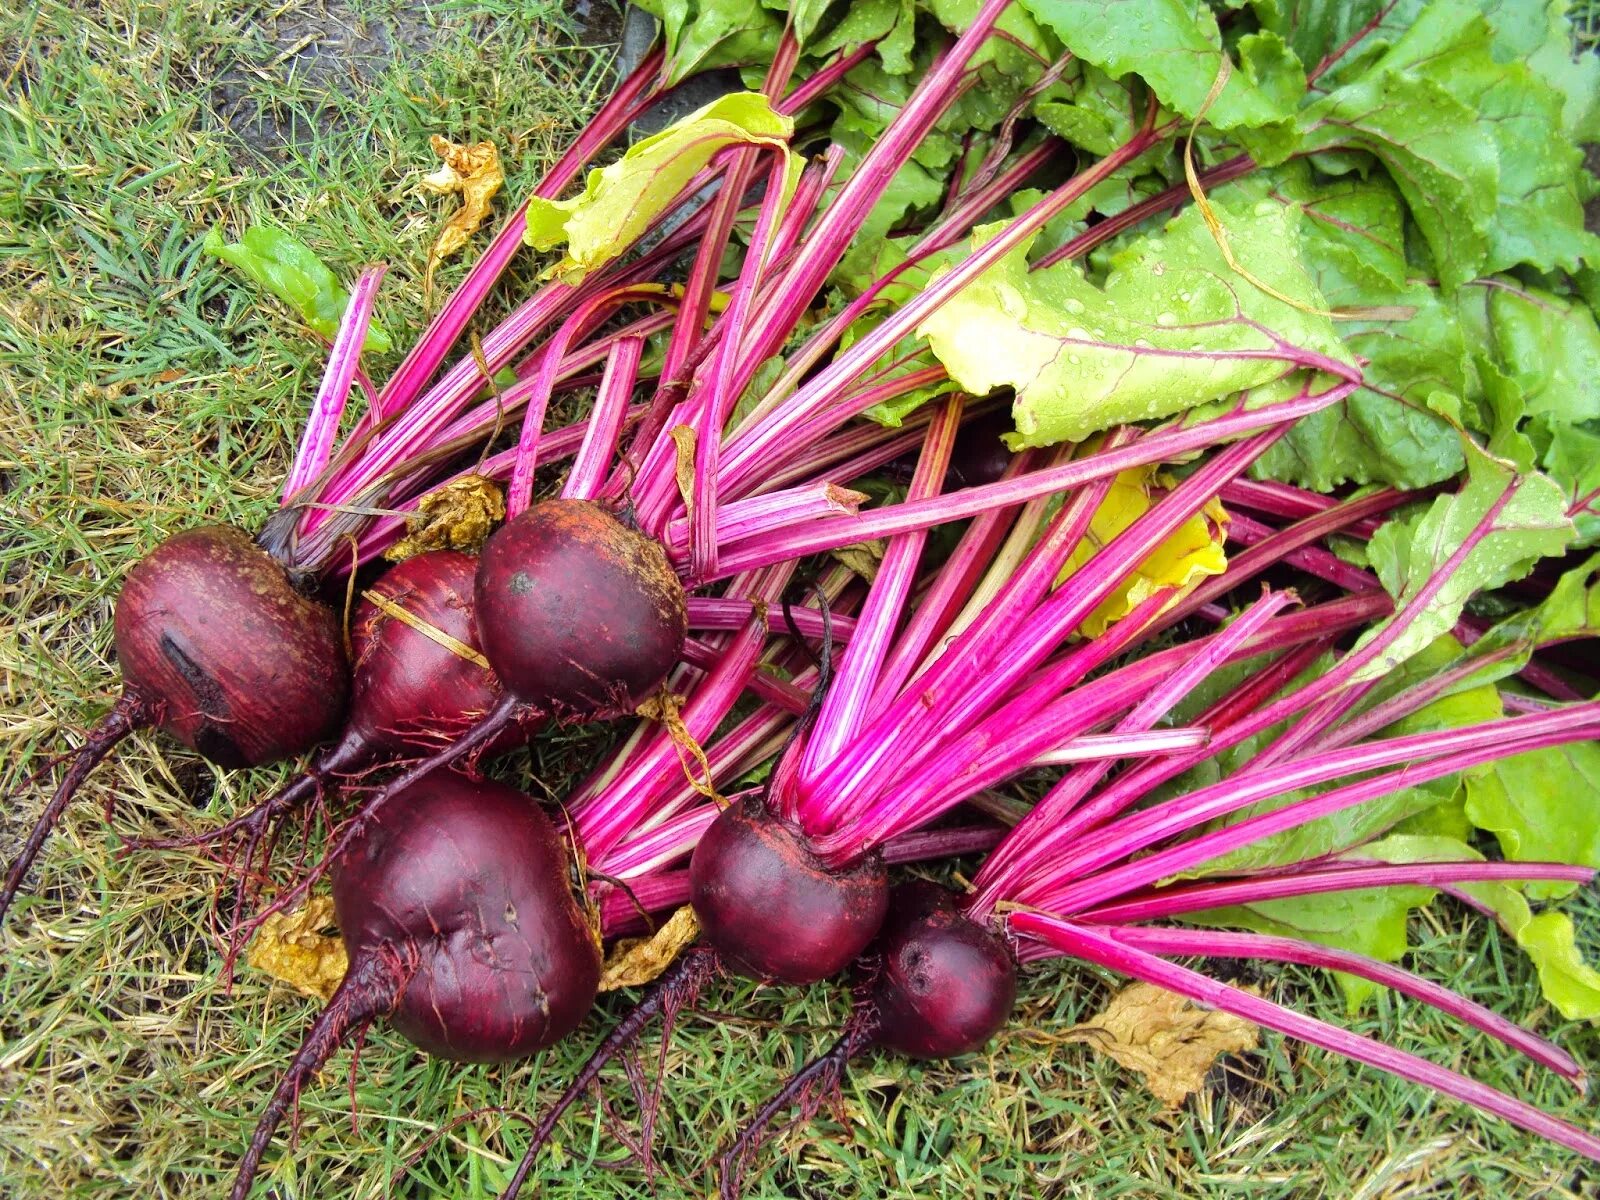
pixel 293 273
pixel 1475 144
pixel 1541 36
pixel 1568 982
pixel 1570 610
pixel 1173 326
pixel 704 34
pixel 1570 455
pixel 1444 160
pixel 1408 552
pixel 891 24
pixel 1539 807
pixel 1176 48
pixel 620 201
pixel 1416 363
pixel 1549 346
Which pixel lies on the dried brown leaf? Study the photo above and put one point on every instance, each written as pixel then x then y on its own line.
pixel 475 172
pixel 457 516
pixel 1165 1037
pixel 292 947
pixel 634 962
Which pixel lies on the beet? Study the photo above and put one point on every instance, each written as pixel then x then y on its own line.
pixel 578 613
pixel 945 984
pixel 220 650
pixel 461 928
pixel 771 908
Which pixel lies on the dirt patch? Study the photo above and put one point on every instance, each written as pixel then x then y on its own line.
pixel 280 89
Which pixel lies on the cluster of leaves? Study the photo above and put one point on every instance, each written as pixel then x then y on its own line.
pixel 1399 185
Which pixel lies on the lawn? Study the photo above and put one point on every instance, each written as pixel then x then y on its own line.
pixel 143 388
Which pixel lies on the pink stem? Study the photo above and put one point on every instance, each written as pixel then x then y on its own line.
pixel 1168 902
pixel 605 420
pixel 316 444
pixel 844 707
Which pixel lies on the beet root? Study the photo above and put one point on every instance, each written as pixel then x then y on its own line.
pixel 455 910
pixel 220 650
pixel 769 905
pixel 472 878
pixel 226 655
pixel 578 613
pixel 945 984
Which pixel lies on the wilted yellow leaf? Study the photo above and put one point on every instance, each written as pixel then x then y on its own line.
pixel 619 201
pixel 459 515
pixel 1165 1037
pixel 1193 552
pixel 634 962
pixel 292 947
pixel 475 172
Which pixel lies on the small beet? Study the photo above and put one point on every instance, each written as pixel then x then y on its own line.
pixel 578 613
pixel 461 928
pixel 220 650
pixel 771 908
pixel 946 984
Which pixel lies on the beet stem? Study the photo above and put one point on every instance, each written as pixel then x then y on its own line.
pixel 678 985
pixel 369 989
pixel 806 1086
pixel 125 716
pixel 490 726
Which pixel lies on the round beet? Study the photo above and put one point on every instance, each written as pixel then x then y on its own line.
pixel 225 654
pixel 472 879
pixel 219 649
pixel 461 927
pixel 946 984
pixel 407 690
pixel 771 908
pixel 577 612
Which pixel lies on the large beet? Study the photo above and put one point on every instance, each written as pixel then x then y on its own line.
pixel 771 908
pixel 461 928
pixel 225 654
pixel 219 649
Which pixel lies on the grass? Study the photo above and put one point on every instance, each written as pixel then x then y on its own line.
pixel 143 387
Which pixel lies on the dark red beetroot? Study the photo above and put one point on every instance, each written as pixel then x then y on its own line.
pixel 771 908
pixel 218 649
pixel 945 984
pixel 579 614
pixel 462 930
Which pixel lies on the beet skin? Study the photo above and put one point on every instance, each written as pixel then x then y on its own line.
pixel 468 882
pixel 224 654
pixel 946 984
pixel 578 613
pixel 771 908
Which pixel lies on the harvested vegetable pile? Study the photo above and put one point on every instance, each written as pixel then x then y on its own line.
pixel 1147 452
